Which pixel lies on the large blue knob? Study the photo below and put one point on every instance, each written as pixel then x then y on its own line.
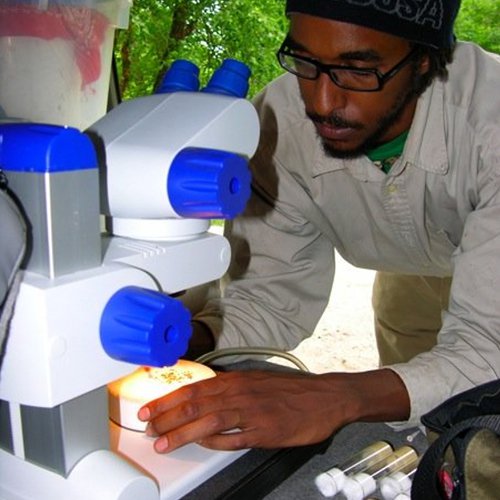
pixel 208 184
pixel 145 327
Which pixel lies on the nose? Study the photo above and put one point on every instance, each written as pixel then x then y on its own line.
pixel 326 97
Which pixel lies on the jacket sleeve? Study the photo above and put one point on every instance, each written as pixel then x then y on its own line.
pixel 281 273
pixel 468 349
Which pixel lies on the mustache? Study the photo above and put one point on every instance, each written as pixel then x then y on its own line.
pixel 333 120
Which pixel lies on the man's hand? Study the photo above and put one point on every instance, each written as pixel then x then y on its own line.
pixel 266 409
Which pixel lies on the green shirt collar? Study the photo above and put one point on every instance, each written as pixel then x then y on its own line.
pixel 386 154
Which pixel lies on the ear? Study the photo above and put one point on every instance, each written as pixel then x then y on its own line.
pixel 424 64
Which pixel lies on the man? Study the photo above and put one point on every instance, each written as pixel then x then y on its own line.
pixel 381 146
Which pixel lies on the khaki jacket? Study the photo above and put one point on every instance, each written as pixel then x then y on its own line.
pixel 437 213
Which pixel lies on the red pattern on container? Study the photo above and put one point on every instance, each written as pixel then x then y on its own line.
pixel 85 27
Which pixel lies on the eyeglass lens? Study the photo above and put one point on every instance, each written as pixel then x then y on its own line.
pixel 348 78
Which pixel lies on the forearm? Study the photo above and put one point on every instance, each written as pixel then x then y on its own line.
pixel 373 396
pixel 377 395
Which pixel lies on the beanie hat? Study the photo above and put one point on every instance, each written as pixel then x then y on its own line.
pixel 428 22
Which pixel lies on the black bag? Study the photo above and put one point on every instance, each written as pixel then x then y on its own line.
pixel 463 462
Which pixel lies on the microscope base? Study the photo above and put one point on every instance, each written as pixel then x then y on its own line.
pixel 100 475
pixel 130 471
pixel 176 473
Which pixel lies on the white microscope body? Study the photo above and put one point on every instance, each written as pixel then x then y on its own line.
pixel 92 306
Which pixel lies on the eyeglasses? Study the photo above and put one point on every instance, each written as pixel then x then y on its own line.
pixel 345 77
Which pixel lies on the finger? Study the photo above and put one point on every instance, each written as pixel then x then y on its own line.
pixel 154 408
pixel 191 410
pixel 197 431
pixel 230 441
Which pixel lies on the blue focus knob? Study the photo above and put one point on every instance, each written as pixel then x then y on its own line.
pixel 182 75
pixel 231 78
pixel 145 327
pixel 208 184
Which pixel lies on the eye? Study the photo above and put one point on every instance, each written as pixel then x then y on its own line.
pixel 356 79
pixel 359 73
pixel 300 64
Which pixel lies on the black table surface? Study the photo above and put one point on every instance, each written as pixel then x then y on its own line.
pixel 345 444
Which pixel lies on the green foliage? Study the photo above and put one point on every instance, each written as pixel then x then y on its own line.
pixel 479 21
pixel 208 31
pixel 203 31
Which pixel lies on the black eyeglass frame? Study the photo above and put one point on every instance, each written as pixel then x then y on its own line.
pixel 382 78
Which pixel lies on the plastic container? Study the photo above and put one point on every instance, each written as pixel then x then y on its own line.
pixel 55 59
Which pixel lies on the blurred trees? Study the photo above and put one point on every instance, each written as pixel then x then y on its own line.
pixel 479 21
pixel 204 31
pixel 208 31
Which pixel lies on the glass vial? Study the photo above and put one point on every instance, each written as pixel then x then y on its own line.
pixel 362 484
pixel 396 484
pixel 330 482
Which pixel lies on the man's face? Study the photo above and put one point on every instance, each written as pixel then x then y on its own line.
pixel 351 122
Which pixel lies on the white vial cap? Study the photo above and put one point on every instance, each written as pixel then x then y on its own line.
pixel 391 486
pixel 359 486
pixel 329 483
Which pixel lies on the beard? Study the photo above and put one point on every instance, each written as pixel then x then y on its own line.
pixel 384 123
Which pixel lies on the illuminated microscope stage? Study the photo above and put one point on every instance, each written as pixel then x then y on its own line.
pixel 176 473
